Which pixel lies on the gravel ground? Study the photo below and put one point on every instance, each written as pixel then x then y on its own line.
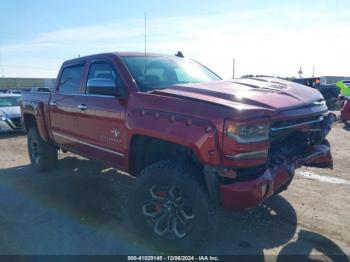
pixel 80 208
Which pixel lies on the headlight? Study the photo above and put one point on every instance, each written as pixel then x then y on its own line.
pixel 3 118
pixel 248 133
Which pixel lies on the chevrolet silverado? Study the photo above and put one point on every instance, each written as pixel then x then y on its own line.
pixel 193 141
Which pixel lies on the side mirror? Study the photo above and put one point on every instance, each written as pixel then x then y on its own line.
pixel 104 86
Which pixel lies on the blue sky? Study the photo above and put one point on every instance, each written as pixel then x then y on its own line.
pixel 265 37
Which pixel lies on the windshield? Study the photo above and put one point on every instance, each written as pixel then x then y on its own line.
pixel 9 101
pixel 156 72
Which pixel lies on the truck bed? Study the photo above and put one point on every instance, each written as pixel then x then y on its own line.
pixel 35 97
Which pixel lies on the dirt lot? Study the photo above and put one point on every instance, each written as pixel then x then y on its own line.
pixel 80 209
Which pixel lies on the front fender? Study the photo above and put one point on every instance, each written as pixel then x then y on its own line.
pixel 197 134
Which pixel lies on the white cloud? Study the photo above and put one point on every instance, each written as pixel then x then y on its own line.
pixel 263 41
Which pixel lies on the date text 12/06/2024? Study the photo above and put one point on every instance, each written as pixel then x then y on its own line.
pixel 173 258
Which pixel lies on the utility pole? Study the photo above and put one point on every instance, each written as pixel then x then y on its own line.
pixel 233 68
pixel 145 24
pixel 313 72
pixel 300 72
pixel 145 32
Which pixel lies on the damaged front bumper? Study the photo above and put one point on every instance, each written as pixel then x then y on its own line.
pixel 248 194
pixel 240 195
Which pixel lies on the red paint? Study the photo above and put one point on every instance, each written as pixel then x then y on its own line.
pixel 243 195
pixel 192 115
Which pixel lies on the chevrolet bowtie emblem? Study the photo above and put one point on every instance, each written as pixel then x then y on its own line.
pixel 116 132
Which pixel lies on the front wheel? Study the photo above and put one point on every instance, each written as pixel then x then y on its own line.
pixel 43 155
pixel 170 208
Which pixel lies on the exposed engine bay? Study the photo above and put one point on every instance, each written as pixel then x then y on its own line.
pixel 303 145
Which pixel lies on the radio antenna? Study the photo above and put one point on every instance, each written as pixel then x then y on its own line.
pixel 145 43
pixel 1 64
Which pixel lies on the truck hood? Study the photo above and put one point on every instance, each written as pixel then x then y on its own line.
pixel 10 111
pixel 248 93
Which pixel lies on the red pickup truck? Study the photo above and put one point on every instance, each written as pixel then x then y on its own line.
pixel 193 141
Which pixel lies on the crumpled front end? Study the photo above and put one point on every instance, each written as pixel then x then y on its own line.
pixel 290 148
pixel 276 178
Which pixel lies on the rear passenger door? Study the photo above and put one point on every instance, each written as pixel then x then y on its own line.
pixel 63 106
pixel 101 121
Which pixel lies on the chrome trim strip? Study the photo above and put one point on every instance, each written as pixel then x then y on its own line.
pixel 249 155
pixel 87 144
pixel 273 129
pixel 101 148
pixel 64 136
pixel 84 94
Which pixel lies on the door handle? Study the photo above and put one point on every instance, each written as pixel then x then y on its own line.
pixel 82 107
pixel 53 103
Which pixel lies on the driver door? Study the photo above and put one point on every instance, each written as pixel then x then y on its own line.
pixel 101 116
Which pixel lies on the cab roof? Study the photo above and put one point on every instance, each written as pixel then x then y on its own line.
pixel 115 54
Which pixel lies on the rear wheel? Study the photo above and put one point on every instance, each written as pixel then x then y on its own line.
pixel 43 155
pixel 170 207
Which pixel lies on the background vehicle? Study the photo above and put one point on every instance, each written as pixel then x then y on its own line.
pixel 40 89
pixel 329 91
pixel 14 91
pixel 193 141
pixel 10 112
pixel 347 82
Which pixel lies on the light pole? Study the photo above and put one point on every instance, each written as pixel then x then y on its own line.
pixel 300 72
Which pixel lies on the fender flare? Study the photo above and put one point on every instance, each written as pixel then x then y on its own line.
pixel 36 110
pixel 197 134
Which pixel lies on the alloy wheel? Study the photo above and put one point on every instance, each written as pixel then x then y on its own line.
pixel 169 214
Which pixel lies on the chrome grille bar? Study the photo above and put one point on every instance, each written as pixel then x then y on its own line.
pixel 274 129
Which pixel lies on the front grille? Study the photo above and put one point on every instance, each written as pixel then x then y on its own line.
pixel 16 122
pixel 280 125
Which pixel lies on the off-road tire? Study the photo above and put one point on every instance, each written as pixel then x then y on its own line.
pixel 43 155
pixel 172 174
